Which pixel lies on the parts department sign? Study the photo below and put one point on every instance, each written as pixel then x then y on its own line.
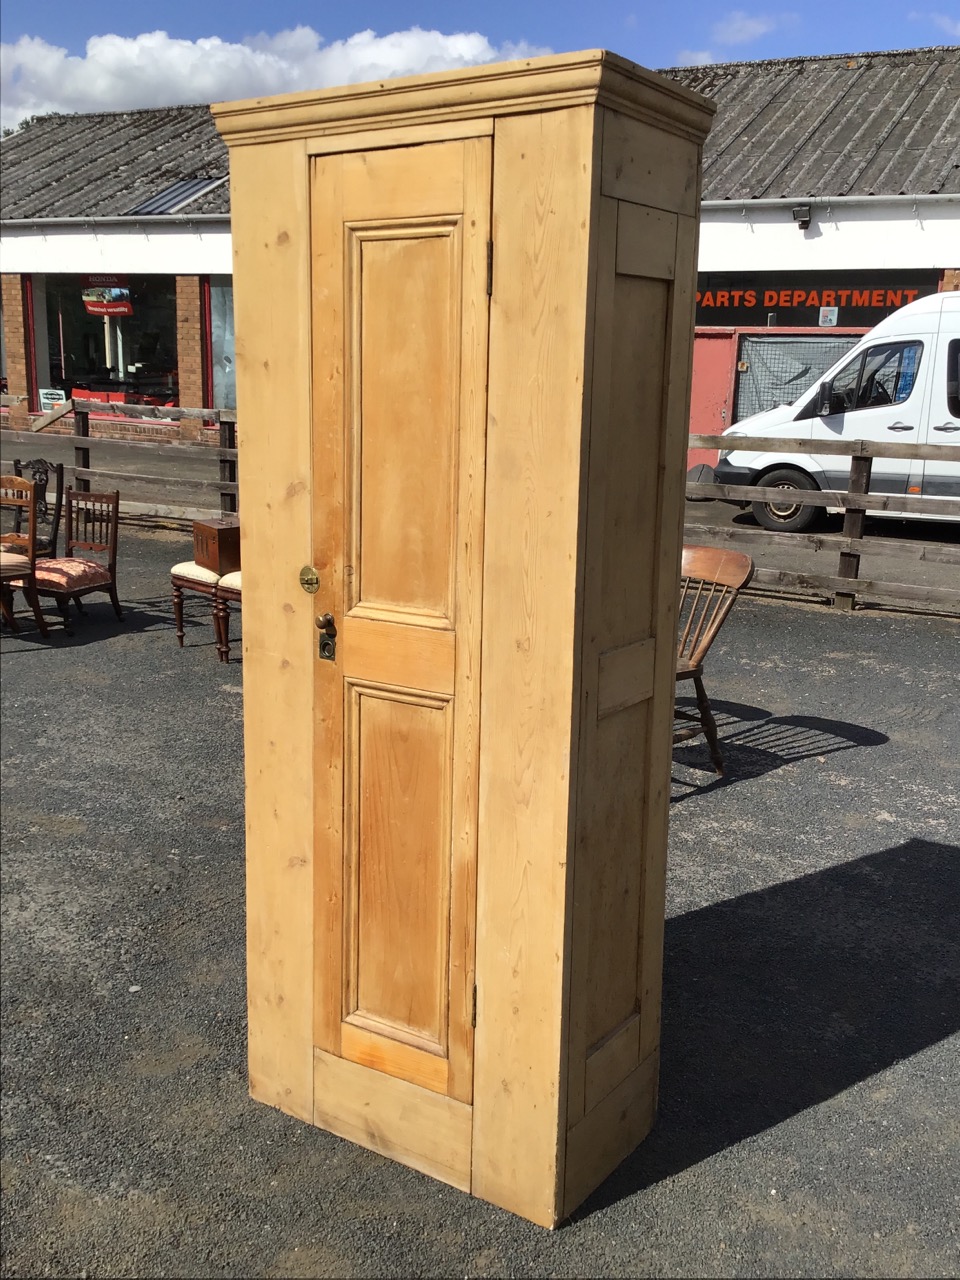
pixel 807 299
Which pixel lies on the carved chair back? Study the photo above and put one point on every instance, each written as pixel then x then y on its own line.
pixel 48 478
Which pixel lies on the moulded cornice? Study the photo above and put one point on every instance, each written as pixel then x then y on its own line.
pixel 594 76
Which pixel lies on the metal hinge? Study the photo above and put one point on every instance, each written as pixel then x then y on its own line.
pixel 473 1015
pixel 489 268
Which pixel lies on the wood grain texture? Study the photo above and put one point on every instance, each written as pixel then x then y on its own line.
pixel 413 135
pixel 407 379
pixel 632 513
pixel 676 410
pixel 329 471
pixel 646 242
pixel 601 335
pixel 491 492
pixel 271 289
pixel 394 653
pixel 609 1132
pixel 646 166
pixel 542 219
pixel 471 488
pixel 363 1041
pixel 588 78
pixel 611 1061
pixel 405 276
pixel 397 868
pixel 414 1126
pixel 625 677
pixel 621 550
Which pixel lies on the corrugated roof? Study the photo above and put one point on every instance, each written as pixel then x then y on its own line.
pixel 103 164
pixel 847 124
pixel 858 124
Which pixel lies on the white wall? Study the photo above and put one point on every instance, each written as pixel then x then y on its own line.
pixel 840 237
pixel 179 250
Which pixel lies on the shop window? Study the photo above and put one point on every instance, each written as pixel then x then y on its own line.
pixel 109 337
pixel 219 356
pixel 775 371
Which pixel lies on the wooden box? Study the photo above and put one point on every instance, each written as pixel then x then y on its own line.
pixel 465 304
pixel 216 544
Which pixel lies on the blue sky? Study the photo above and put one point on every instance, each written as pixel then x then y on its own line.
pixel 70 57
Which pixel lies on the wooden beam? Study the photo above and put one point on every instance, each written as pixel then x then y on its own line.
pixel 892 502
pixel 883 547
pixel 883 592
pixel 835 448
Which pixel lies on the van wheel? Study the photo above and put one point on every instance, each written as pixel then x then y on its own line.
pixel 786 516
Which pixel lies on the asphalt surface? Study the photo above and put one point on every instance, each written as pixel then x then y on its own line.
pixel 809 1122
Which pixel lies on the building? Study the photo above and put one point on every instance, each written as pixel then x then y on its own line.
pixel 831 196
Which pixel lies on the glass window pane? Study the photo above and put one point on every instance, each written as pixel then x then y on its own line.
pixel 221 341
pixel 109 336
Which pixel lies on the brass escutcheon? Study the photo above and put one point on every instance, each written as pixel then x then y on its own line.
pixel 309 579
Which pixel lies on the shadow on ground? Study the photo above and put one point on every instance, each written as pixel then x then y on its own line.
pixel 778 1000
pixel 754 742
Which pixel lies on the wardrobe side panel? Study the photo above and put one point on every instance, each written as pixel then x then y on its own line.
pixel 270 230
pixel 541 239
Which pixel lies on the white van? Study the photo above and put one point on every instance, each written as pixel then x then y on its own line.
pixel 900 384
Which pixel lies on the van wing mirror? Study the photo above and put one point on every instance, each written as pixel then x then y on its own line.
pixel 828 401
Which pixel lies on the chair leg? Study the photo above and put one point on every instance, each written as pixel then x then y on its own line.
pixel 178 612
pixel 6 608
pixel 709 725
pixel 114 600
pixel 30 591
pixel 63 604
pixel 221 615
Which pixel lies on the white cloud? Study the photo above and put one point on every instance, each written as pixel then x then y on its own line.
pixel 739 27
pixel 736 27
pixel 694 58
pixel 157 70
pixel 950 26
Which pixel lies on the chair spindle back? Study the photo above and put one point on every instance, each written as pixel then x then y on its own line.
pixel 710 581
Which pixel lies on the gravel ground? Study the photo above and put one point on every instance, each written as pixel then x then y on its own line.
pixel 809 1121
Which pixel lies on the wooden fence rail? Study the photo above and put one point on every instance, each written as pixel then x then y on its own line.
pixel 224 485
pixel 856 500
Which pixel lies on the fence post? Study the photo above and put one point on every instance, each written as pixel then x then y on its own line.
pixel 81 453
pixel 228 467
pixel 861 466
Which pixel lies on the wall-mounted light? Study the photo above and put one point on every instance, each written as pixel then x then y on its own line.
pixel 801 215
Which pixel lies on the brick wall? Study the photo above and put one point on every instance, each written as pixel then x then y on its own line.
pixel 15 341
pixel 190 351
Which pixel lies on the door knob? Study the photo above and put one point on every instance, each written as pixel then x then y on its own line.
pixel 327 627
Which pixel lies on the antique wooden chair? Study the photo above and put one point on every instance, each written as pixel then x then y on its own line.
pixel 48 478
pixel 90 528
pixel 18 549
pixel 228 588
pixel 710 580
pixel 190 576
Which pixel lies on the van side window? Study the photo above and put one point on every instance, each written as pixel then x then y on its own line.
pixel 881 375
pixel 953 377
